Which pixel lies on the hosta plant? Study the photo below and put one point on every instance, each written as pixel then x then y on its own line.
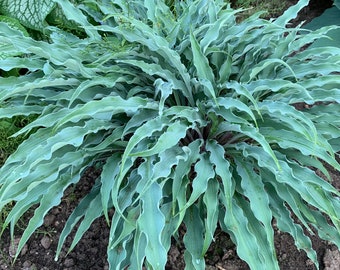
pixel 197 122
pixel 330 16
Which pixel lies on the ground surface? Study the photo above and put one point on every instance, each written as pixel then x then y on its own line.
pixel 90 253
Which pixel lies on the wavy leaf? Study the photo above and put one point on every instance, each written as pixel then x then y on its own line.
pixel 151 223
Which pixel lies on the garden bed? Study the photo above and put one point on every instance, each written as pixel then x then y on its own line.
pixel 90 253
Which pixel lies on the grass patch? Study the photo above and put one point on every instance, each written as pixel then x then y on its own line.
pixel 8 145
pixel 8 127
pixel 272 8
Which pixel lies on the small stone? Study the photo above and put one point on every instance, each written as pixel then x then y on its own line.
pixel 27 264
pixel 46 242
pixel 48 220
pixel 228 254
pixel 332 259
pixel 68 263
pixel 309 262
pixel 33 267
pixel 24 250
pixel 57 223
pixel 55 211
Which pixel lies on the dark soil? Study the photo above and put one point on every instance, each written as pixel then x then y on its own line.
pixel 90 253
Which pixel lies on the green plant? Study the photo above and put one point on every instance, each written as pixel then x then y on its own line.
pixel 37 15
pixel 8 127
pixel 331 16
pixel 30 14
pixel 7 146
pixel 191 117
pixel 337 3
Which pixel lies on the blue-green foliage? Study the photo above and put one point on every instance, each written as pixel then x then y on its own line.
pixel 331 17
pixel 194 120
pixel 337 3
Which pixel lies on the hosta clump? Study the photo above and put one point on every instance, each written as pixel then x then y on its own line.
pixel 193 118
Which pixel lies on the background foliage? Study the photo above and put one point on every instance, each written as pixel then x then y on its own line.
pixel 36 15
pixel 193 118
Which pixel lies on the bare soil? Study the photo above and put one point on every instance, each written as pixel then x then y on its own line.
pixel 90 253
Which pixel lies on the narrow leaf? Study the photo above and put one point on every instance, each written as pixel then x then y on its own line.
pixel 193 240
pixel 204 71
pixel 151 223
pixel 254 189
pixel 169 138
